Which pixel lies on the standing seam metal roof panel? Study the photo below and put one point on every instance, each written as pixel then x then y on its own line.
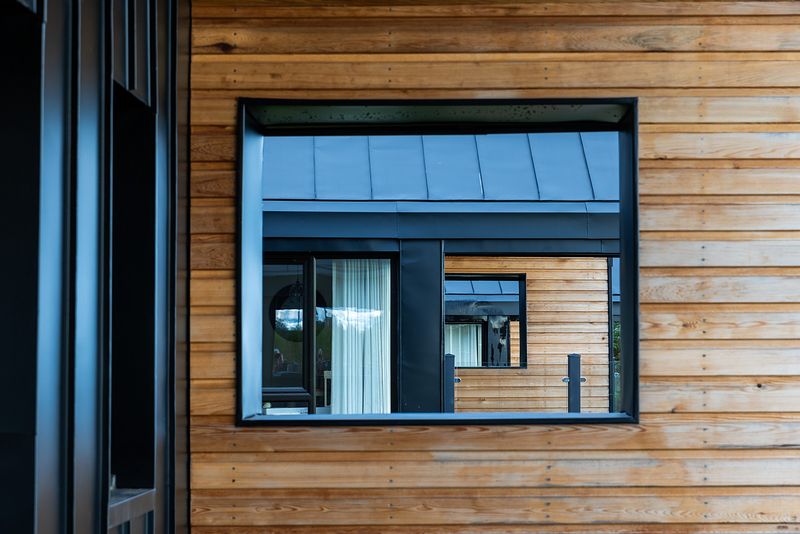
pixel 342 168
pixel 288 168
pixel 601 150
pixel 560 166
pixel 451 164
pixel 554 167
pixel 398 168
pixel 506 167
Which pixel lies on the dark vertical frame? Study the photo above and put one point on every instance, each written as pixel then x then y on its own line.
pixel 421 304
pixel 173 29
pixel 23 216
pixel 66 123
pixel 310 332
pixel 306 391
pixel 52 399
pixel 134 358
pixel 574 381
pixel 523 321
pixel 629 260
pixel 88 293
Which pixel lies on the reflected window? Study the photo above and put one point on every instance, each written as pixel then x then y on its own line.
pixel 354 345
pixel 335 356
pixel 485 321
pixel 284 296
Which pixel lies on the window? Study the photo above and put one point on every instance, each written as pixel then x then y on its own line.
pixel 432 262
pixel 485 320
pixel 331 354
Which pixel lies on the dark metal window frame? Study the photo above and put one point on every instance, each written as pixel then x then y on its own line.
pixel 308 260
pixel 249 237
pixel 522 317
pixel 305 392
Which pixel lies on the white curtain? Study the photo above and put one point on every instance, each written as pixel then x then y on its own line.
pixel 361 337
pixel 463 341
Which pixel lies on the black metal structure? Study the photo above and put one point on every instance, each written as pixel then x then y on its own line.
pixel 424 232
pixel 448 383
pixel 308 259
pixel 81 272
pixel 574 381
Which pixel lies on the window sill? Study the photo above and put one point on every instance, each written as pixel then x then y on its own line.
pixel 438 419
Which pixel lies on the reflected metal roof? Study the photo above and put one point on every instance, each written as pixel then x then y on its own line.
pixel 457 289
pixel 561 167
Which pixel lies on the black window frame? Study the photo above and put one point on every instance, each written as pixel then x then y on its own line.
pixel 302 393
pixel 309 261
pixel 251 128
pixel 522 318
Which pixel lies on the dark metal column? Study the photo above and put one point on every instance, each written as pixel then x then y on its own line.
pixel 421 326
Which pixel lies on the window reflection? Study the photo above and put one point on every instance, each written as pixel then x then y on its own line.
pixel 482 318
pixel 284 294
pixel 353 349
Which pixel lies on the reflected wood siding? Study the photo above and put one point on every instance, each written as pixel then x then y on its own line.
pixel 718 447
pixel 567 302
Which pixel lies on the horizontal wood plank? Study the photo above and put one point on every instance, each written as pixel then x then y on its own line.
pixel 656 431
pixel 720 289
pixel 735 394
pixel 571 8
pixel 505 528
pixel 389 70
pixel 758 181
pixel 486 470
pixel 711 361
pixel 683 252
pixel 473 507
pixel 519 34
pixel 725 217
pixel 712 325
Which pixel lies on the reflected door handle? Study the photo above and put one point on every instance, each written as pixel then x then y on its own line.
pixel 457 380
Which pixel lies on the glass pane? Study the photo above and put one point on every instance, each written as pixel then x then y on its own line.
pixel 465 342
pixel 284 296
pixel 354 336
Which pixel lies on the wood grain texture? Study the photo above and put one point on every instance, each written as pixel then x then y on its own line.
pixel 539 387
pixel 717 447
pixel 500 528
pixel 499 8
pixel 520 34
pixel 453 71
pixel 372 470
pixel 656 431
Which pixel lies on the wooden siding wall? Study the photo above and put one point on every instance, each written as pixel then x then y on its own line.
pixel 567 311
pixel 718 447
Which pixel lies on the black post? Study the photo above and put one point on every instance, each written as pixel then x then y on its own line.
pixel 574 383
pixel 421 346
pixel 448 383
